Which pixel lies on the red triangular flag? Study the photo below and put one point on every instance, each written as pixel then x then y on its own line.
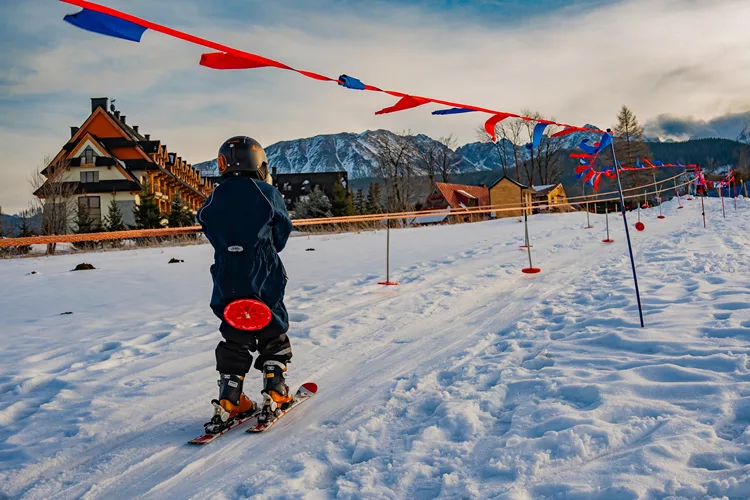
pixel 489 125
pixel 565 132
pixel 221 60
pixel 406 102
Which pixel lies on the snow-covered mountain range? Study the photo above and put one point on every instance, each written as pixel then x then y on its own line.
pixel 356 153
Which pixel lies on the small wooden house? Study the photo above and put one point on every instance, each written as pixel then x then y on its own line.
pixel 551 194
pixel 458 197
pixel 508 193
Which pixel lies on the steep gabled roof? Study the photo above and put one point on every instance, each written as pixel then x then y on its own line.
pixel 544 190
pixel 452 193
pixel 510 180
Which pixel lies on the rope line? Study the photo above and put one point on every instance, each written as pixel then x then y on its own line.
pixel 150 233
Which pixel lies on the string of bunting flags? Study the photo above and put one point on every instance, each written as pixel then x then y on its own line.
pixel 592 177
pixel 111 22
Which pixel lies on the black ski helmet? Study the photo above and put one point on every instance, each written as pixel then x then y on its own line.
pixel 242 155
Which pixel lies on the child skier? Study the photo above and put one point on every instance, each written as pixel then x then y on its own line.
pixel 247 224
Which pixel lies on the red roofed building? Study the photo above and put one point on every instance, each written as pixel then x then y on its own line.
pixel 458 197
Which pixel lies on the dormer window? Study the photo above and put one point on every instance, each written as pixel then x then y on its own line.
pixel 87 157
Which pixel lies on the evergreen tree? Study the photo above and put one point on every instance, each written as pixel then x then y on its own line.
pixel 83 221
pixel 341 202
pixel 86 224
pixel 630 146
pixel 374 199
pixel 2 224
pixel 24 231
pixel 146 213
pixel 314 206
pixel 113 221
pixel 180 215
pixel 360 205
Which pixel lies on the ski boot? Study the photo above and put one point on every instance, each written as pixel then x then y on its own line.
pixel 232 404
pixel 276 395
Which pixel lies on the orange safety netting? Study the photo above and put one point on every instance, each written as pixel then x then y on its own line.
pixel 150 233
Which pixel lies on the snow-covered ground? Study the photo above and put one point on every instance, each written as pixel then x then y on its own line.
pixel 470 380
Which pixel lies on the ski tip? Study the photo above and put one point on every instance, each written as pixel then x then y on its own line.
pixel 205 439
pixel 311 386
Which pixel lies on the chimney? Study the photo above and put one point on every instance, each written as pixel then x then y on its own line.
pixel 122 119
pixel 148 137
pixel 135 128
pixel 73 131
pixel 99 102
pixel 117 115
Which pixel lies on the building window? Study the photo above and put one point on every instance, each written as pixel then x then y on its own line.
pixel 89 177
pixel 94 205
pixel 87 156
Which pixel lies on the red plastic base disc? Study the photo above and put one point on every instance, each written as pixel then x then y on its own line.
pixel 531 270
pixel 388 283
pixel 247 314
pixel 640 226
pixel 689 199
pixel 524 247
pixel 588 227
pixel 608 241
pixel 680 206
pixel 661 217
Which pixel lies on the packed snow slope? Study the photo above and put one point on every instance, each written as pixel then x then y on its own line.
pixel 470 380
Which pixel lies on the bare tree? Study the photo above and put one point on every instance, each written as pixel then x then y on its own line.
pixel 394 163
pixel 509 146
pixel 447 160
pixel 428 159
pixel 55 198
pixel 543 165
pixel 438 158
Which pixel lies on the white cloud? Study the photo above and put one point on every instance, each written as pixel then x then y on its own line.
pixel 686 57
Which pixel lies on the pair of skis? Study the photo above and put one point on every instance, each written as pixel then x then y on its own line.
pixel 305 392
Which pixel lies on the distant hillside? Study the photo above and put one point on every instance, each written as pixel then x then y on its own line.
pixel 722 151
pixel 11 223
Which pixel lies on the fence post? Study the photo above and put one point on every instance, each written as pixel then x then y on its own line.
pixel 388 281
pixel 531 269
pixel 627 230
pixel 606 221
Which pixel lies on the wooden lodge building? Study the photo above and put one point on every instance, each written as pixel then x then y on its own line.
pixel 552 194
pixel 504 193
pixel 508 193
pixel 105 159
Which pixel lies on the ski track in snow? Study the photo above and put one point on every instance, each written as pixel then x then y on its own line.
pixel 470 380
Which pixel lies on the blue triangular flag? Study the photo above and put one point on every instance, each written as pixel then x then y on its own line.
pixel 104 24
pixel 452 111
pixel 537 136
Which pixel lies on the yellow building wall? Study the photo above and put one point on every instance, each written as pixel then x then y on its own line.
pixel 557 196
pixel 507 194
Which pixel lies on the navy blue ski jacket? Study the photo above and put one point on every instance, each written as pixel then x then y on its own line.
pixel 248 225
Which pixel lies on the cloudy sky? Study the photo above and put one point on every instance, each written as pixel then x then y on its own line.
pixel 679 64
